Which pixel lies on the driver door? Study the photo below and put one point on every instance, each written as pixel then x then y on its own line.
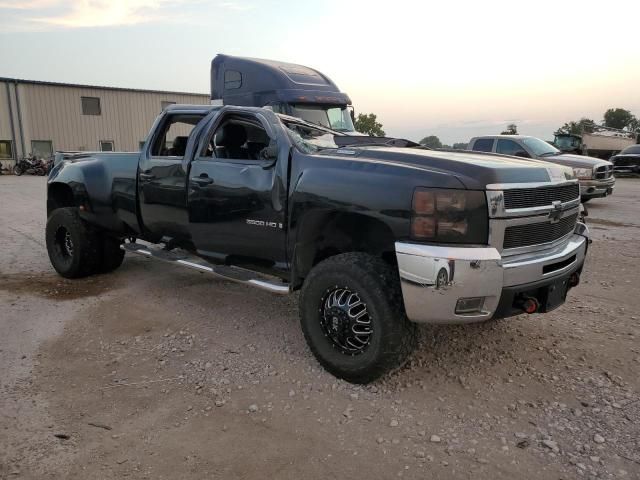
pixel 236 195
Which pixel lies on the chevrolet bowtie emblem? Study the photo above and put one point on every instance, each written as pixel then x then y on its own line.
pixel 556 213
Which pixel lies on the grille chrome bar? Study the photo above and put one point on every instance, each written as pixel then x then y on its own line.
pixel 540 197
pixel 522 199
pixel 603 172
pixel 542 230
pixel 538 233
pixel 546 217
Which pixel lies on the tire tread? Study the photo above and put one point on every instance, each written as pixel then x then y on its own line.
pixel 402 339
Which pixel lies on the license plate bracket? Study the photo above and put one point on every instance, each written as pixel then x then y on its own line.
pixel 556 294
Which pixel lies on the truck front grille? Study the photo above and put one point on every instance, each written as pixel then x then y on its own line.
pixel 627 161
pixel 540 197
pixel 537 233
pixel 604 172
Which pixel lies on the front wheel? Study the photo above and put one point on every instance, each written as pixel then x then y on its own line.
pixel 17 170
pixel 353 319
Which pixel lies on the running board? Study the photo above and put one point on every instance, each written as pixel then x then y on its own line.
pixel 234 274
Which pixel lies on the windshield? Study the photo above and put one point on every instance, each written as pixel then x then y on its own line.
pixel 540 148
pixel 336 118
pixel 309 139
pixel 567 143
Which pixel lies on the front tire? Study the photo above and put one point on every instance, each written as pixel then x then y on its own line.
pixel 353 318
pixel 17 170
pixel 72 245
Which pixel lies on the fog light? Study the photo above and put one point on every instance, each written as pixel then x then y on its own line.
pixel 469 305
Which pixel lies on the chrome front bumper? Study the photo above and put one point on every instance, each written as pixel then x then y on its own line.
pixel 435 279
pixel 597 188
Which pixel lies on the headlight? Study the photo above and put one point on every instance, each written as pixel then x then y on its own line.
pixel 583 173
pixel 449 216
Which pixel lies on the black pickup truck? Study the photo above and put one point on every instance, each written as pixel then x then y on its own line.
pixel 377 233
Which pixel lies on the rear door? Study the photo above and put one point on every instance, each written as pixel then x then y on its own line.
pixel 162 178
pixel 237 191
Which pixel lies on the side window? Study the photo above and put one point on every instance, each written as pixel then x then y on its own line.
pixel 232 79
pixel 238 138
pixel 106 145
pixel 5 149
pixel 172 137
pixel 41 148
pixel 508 147
pixel 483 145
pixel 91 106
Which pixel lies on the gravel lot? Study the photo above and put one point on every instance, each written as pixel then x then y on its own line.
pixel 159 372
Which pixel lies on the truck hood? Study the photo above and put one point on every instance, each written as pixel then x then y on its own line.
pixel 475 170
pixel 579 161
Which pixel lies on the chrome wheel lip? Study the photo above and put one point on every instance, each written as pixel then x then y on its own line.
pixel 68 243
pixel 345 320
pixel 64 242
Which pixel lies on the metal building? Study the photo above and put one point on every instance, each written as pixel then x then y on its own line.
pixel 43 117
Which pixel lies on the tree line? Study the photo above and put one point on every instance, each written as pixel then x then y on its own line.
pixel 619 118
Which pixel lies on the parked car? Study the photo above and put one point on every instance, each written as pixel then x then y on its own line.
pixel 375 236
pixel 594 174
pixel 627 161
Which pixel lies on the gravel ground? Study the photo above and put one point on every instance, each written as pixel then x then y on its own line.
pixel 158 372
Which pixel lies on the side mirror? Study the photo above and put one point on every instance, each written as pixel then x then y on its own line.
pixel 270 155
pixel 522 153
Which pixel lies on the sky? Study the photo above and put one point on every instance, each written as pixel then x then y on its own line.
pixel 455 69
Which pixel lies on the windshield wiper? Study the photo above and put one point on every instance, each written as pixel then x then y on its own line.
pixel 547 154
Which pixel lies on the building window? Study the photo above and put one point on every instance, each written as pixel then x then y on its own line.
pixel 91 106
pixel 106 145
pixel 41 148
pixel 165 103
pixel 6 152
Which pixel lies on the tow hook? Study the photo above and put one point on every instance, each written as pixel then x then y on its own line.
pixel 574 279
pixel 528 304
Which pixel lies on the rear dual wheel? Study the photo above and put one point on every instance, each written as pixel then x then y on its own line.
pixel 353 318
pixel 76 249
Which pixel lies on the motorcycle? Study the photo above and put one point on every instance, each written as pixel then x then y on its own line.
pixel 30 165
pixel 49 164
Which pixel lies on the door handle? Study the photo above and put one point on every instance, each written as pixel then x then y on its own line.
pixel 202 180
pixel 147 176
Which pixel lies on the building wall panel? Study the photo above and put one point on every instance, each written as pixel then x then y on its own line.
pixel 54 112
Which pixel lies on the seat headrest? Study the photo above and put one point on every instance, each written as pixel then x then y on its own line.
pixel 231 135
pixel 180 144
